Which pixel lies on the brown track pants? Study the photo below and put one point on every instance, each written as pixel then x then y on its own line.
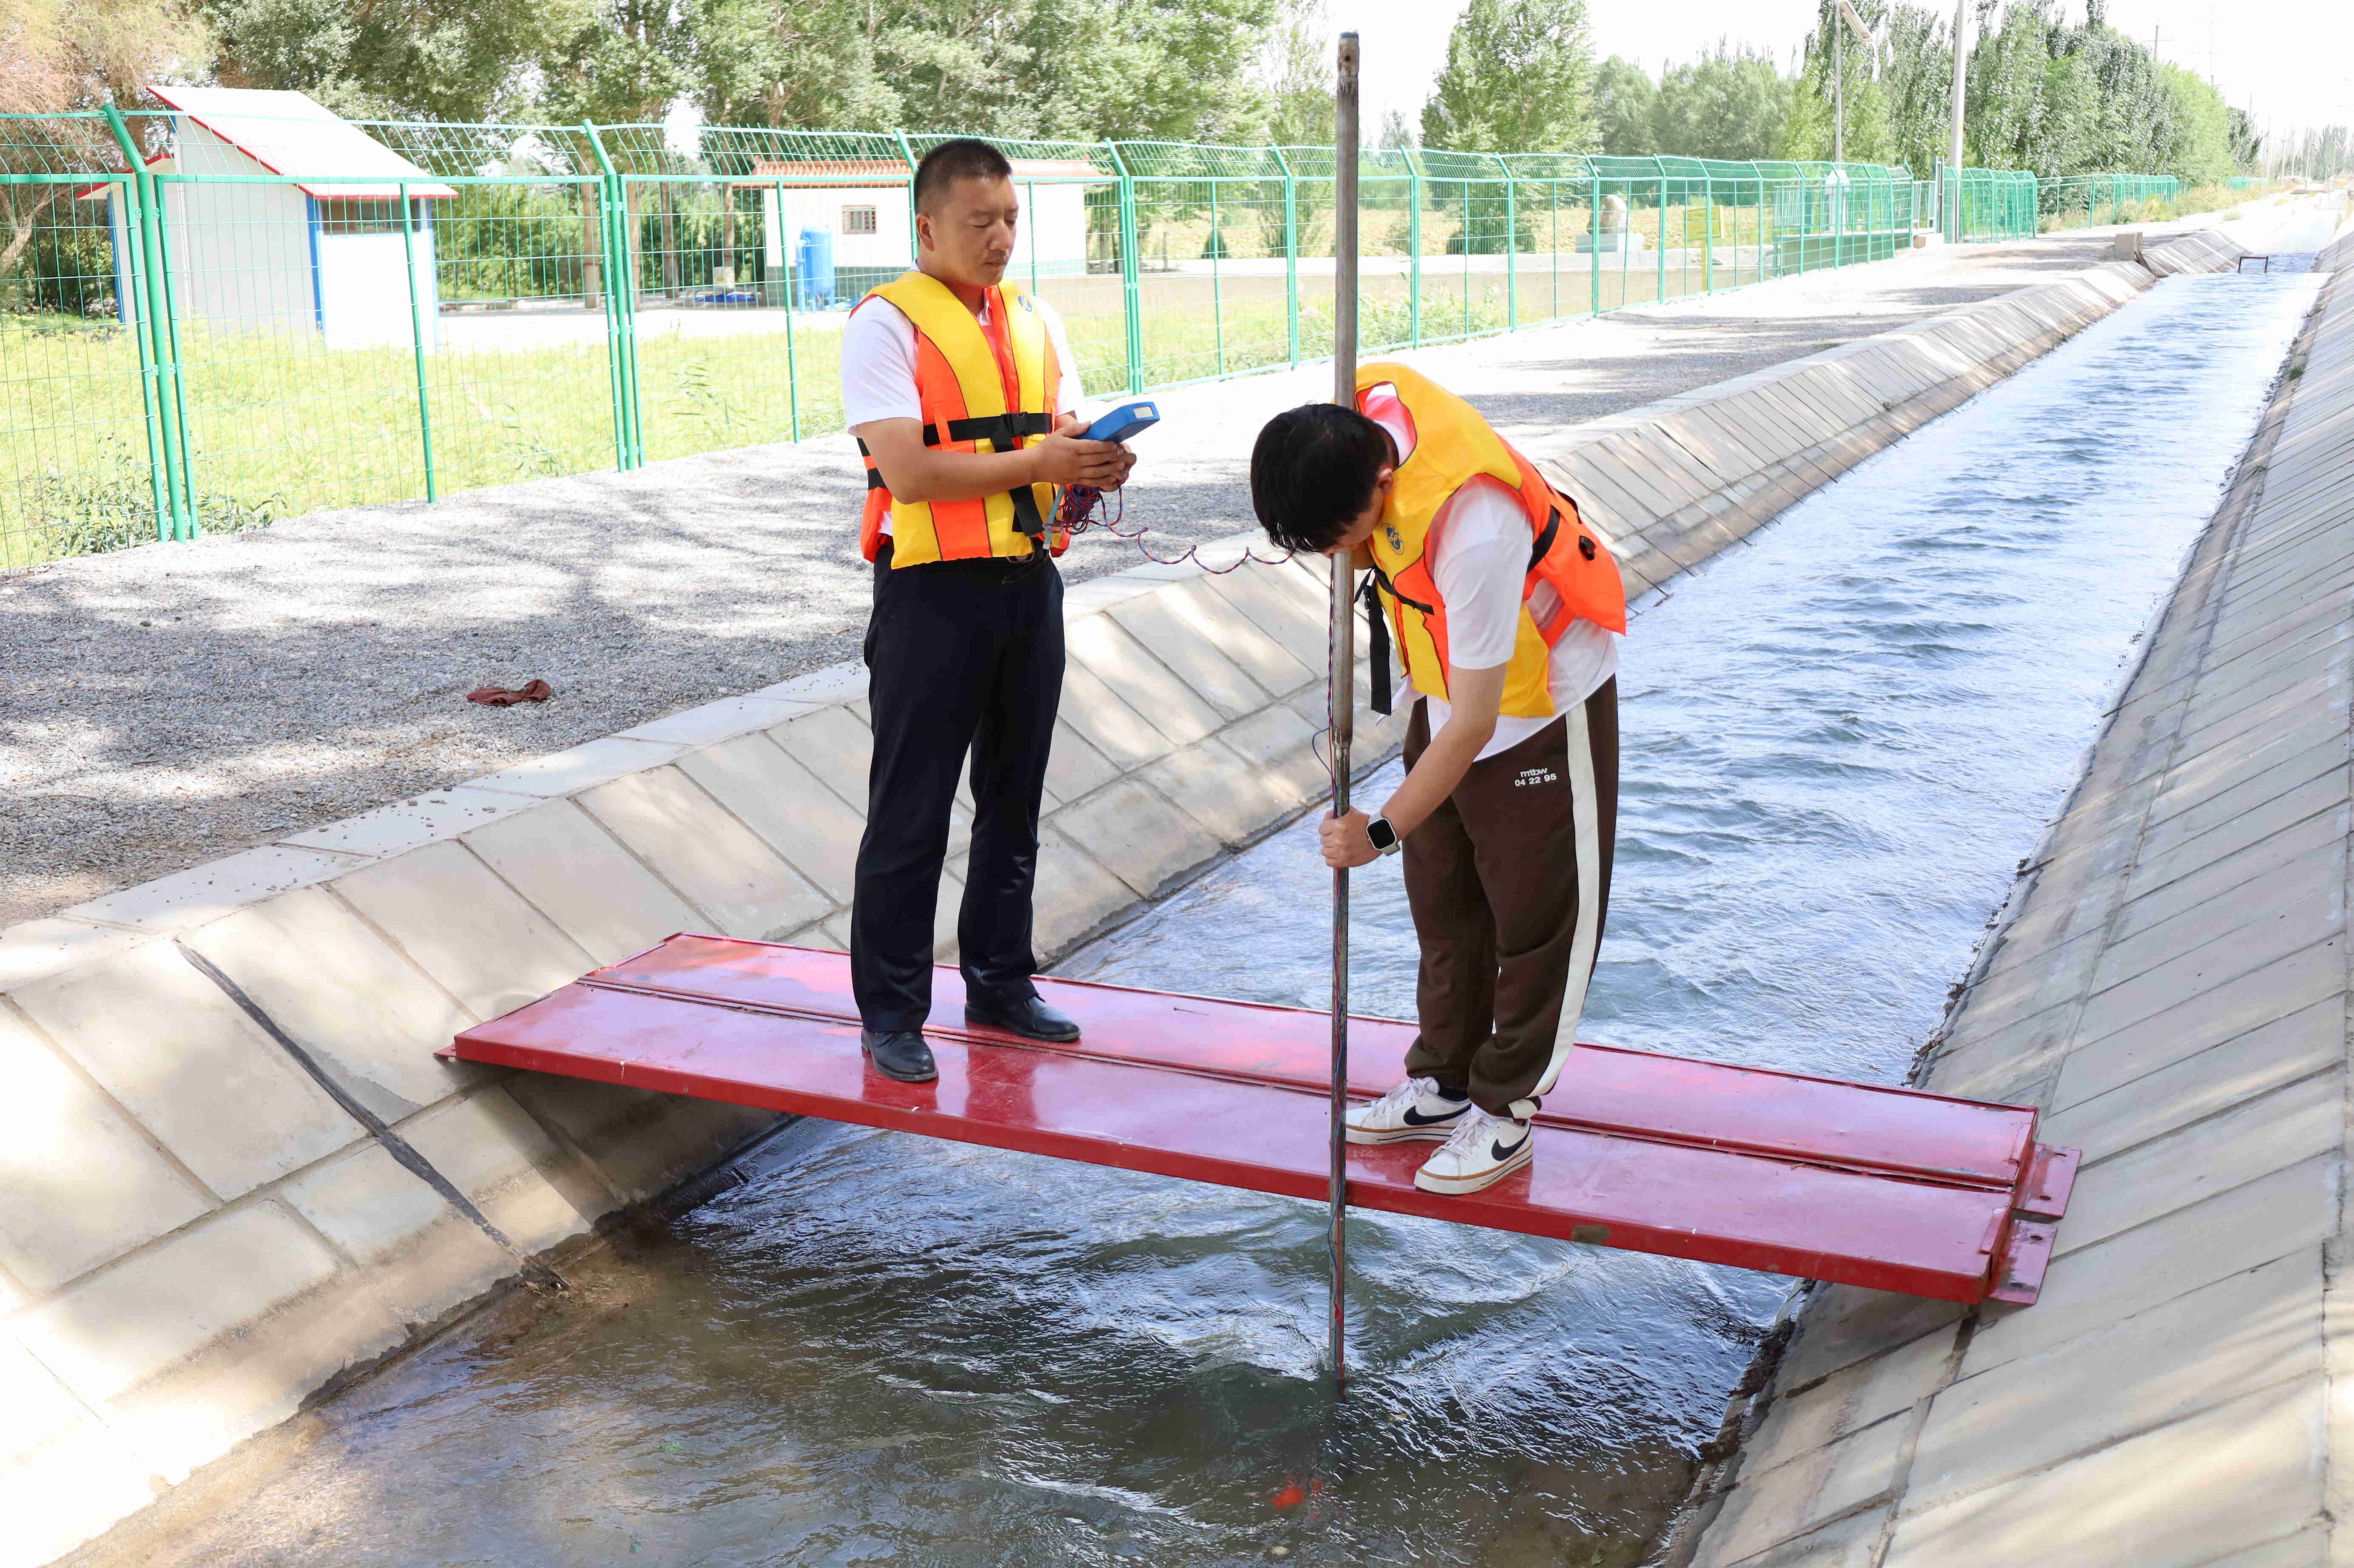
pixel 1509 880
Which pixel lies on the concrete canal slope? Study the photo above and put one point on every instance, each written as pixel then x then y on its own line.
pixel 2170 983
pixel 231 1170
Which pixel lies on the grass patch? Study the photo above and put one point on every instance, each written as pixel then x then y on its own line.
pixel 279 424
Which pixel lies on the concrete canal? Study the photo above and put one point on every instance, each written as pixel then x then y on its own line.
pixel 1839 740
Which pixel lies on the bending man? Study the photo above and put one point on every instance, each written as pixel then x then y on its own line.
pixel 961 388
pixel 1504 607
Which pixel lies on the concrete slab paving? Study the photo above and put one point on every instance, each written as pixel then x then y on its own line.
pixel 1191 721
pixel 2170 982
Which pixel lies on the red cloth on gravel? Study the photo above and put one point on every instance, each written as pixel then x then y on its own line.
pixel 501 697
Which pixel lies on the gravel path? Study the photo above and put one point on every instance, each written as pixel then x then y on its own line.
pixel 164 705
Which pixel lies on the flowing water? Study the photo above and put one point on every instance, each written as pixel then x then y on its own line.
pixel 1838 742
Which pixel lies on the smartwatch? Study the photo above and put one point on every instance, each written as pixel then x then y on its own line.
pixel 1384 837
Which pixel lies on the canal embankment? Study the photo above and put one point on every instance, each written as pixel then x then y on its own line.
pixel 174 703
pixel 2169 980
pixel 236 1175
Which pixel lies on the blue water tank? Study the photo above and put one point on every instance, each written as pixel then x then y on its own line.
pixel 815 264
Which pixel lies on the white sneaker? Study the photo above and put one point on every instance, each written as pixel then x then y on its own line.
pixel 1414 1109
pixel 1481 1151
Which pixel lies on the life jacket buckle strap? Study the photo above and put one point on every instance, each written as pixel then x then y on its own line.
pixel 1377 641
pixel 1544 544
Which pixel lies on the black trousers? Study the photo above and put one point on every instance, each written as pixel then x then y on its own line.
pixel 962 657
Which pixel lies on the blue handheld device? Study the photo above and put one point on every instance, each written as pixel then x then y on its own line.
pixel 1123 422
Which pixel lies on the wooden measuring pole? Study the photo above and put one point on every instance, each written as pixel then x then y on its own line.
pixel 1339 687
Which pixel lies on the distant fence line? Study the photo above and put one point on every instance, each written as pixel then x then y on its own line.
pixel 191 342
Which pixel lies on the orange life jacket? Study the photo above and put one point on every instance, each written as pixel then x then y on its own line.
pixel 981 389
pixel 1453 445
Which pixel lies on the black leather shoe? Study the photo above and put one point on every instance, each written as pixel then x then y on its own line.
pixel 1030 1018
pixel 901 1053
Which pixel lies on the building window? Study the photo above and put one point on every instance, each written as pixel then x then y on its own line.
pixel 858 220
pixel 337 216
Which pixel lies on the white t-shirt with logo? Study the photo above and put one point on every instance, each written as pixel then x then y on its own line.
pixel 878 365
pixel 1478 551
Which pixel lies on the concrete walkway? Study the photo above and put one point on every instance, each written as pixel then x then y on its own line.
pixel 2170 983
pixel 173 703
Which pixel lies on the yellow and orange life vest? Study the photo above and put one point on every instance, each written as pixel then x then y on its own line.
pixel 981 389
pixel 1452 446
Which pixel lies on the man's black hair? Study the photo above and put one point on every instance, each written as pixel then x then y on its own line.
pixel 1312 474
pixel 960 159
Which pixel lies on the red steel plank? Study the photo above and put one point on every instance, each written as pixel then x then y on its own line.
pixel 2025 1257
pixel 1717 1205
pixel 2050 1180
pixel 1604 1089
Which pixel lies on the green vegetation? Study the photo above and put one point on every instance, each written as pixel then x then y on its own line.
pixel 1519 78
pixel 281 426
pixel 2042 93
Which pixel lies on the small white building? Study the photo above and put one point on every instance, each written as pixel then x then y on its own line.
pixel 862 207
pixel 331 251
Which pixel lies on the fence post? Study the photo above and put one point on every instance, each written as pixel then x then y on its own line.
pixel 172 387
pixel 1218 281
pixel 907 151
pixel 1512 249
pixel 622 296
pixel 417 343
pixel 1413 247
pixel 1130 286
pixel 1708 229
pixel 161 469
pixel 1466 285
pixel 793 366
pixel 1593 236
pixel 1659 294
pixel 1290 254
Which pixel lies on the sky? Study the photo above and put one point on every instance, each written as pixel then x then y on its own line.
pixel 2288 58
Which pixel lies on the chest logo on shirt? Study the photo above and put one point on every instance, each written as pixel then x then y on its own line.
pixel 1397 540
pixel 1027 303
pixel 1528 778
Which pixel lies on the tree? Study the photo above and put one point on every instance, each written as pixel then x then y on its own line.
pixel 58 56
pixel 1726 104
pixel 1077 69
pixel 1625 100
pixel 62 55
pixel 757 63
pixel 1298 67
pixel 1519 78
pixel 441 59
pixel 619 64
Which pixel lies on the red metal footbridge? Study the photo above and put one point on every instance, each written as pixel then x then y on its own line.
pixel 1885 1188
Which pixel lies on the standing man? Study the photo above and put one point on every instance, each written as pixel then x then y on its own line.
pixel 961 388
pixel 1505 607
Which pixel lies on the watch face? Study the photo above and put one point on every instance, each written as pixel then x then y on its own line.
pixel 1381 833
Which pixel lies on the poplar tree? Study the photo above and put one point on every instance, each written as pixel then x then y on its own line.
pixel 1519 78
pixel 1624 101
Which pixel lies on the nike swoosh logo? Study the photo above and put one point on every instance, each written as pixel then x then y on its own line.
pixel 1415 1119
pixel 1500 1151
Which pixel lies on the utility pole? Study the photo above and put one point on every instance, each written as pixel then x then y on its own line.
pixel 1953 192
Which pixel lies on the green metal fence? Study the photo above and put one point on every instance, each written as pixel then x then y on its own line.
pixel 1983 205
pixel 190 342
pixel 2081 200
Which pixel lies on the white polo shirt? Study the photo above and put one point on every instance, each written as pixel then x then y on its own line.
pixel 1479 549
pixel 878 365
